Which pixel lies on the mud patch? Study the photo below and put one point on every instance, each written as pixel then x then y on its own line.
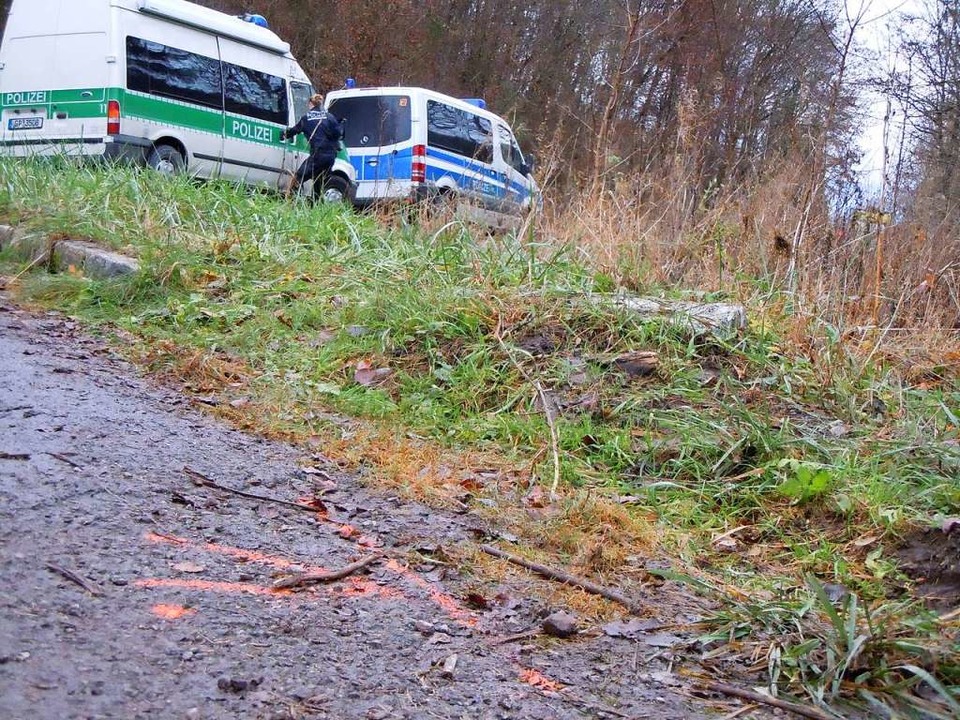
pixel 931 558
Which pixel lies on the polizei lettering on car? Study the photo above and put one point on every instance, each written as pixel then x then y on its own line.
pixel 168 83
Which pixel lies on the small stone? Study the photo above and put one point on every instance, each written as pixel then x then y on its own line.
pixel 839 429
pixel 560 624
pixel 423 627
pixel 237 686
pixel 449 667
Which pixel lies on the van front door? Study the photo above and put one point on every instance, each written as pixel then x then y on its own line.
pixel 296 150
pixel 510 162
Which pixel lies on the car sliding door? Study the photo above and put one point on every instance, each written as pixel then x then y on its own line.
pixel 256 109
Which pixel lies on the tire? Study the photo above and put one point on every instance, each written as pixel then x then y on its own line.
pixel 442 205
pixel 166 160
pixel 334 190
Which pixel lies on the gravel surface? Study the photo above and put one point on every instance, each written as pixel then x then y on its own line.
pixel 132 591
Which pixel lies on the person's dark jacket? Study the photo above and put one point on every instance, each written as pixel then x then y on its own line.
pixel 323 130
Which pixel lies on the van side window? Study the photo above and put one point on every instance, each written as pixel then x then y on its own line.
pixel 459 131
pixel 169 72
pixel 255 94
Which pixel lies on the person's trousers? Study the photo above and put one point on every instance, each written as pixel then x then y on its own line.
pixel 316 166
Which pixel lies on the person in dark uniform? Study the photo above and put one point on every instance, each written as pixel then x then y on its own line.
pixel 324 132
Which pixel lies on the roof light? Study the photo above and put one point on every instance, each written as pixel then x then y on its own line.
pixel 256 19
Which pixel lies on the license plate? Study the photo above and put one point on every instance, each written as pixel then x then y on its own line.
pixel 26 123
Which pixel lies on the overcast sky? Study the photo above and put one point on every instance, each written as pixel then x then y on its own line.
pixel 875 35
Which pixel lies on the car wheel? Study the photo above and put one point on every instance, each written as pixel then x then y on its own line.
pixel 334 190
pixel 166 160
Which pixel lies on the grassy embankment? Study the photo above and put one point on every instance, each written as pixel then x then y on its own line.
pixel 469 370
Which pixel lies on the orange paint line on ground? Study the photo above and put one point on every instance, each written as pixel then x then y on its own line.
pixel 172 612
pixel 211 586
pixel 446 602
pixel 540 681
pixel 161 539
pixel 358 587
pixel 239 554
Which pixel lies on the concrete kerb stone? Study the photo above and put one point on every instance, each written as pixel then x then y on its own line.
pixel 92 259
pixel 723 320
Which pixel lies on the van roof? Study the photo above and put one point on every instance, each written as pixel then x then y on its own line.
pixel 410 90
pixel 215 21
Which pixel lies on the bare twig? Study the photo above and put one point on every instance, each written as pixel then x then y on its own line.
pixel 299 581
pixel 202 480
pixel 564 577
pixel 548 408
pixel 74 578
pixel 64 459
pixel 43 257
pixel 15 408
pixel 802 710
pixel 513 638
pixel 14 456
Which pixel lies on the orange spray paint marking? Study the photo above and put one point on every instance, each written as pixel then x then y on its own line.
pixel 347 532
pixel 161 539
pixel 540 681
pixel 211 586
pixel 315 504
pixel 172 612
pixel 358 587
pixel 444 601
pixel 238 554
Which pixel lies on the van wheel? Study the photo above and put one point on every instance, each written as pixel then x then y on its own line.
pixel 334 190
pixel 442 205
pixel 166 160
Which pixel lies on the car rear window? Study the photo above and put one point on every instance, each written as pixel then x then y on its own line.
pixel 373 120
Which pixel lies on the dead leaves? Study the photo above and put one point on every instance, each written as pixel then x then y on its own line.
pixel 367 375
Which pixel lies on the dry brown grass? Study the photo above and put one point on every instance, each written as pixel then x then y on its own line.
pixel 751 240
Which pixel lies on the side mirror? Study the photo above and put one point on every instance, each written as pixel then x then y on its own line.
pixel 528 165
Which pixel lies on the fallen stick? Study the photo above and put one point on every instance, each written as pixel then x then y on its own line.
pixel 14 456
pixel 323 577
pixel 74 578
pixel 14 408
pixel 65 459
pixel 201 479
pixel 564 577
pixel 756 697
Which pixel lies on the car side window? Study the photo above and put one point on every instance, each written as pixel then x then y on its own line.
pixel 169 72
pixel 459 131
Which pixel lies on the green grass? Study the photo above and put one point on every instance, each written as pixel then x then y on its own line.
pixel 301 301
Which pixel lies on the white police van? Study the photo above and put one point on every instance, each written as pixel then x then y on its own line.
pixel 409 143
pixel 177 86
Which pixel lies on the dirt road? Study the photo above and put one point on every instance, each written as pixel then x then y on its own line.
pixel 130 591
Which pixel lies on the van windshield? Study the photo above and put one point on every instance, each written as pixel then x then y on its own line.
pixel 373 120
